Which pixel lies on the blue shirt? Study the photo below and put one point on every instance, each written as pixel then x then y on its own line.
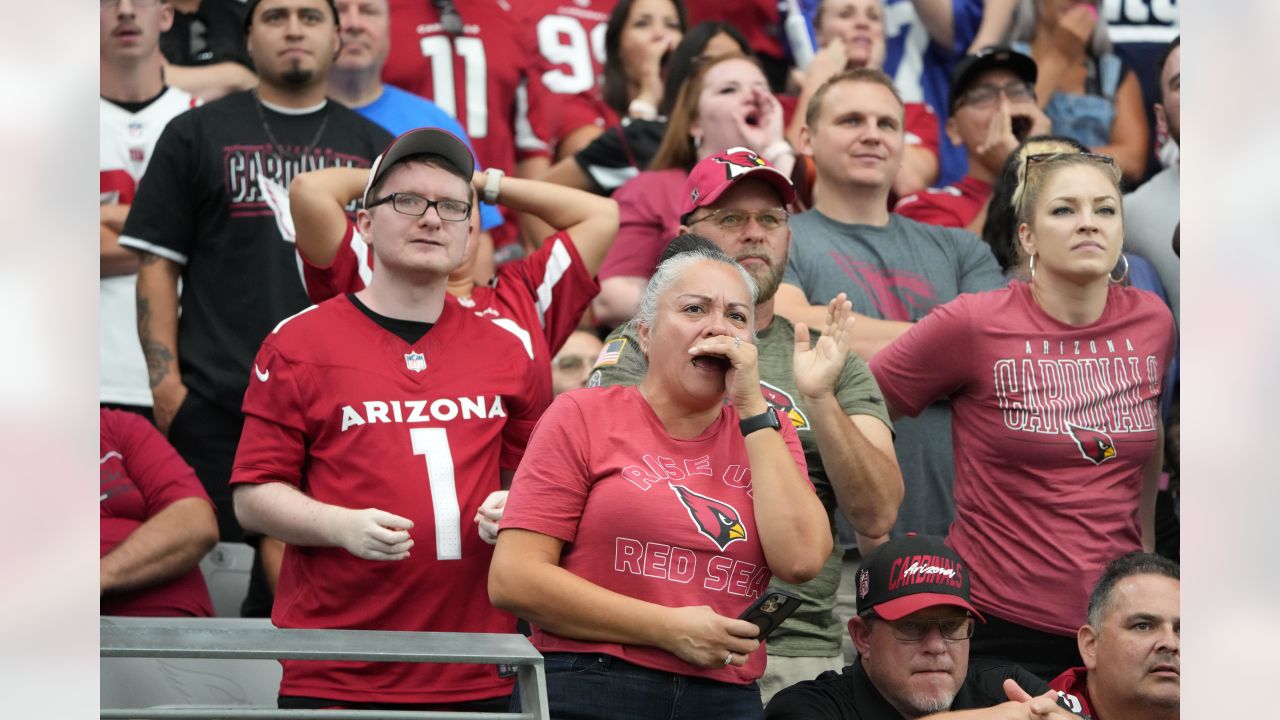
pixel 399 111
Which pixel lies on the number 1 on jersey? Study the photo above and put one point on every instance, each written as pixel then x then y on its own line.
pixel 433 443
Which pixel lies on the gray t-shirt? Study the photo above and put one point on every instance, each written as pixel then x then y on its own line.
pixel 899 271
pixel 814 630
pixel 1150 215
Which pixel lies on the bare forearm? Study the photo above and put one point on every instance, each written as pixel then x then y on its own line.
pixel 936 17
pixel 158 317
pixel 162 548
pixel 559 206
pixel 919 171
pixel 210 82
pixel 871 335
pixel 555 599
pixel 316 202
pixel 287 514
pixel 794 532
pixel 997 16
pixel 114 260
pixel 867 482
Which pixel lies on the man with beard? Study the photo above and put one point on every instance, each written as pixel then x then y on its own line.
pixel 212 209
pixel 1131 644
pixel 737 200
pixel 912 631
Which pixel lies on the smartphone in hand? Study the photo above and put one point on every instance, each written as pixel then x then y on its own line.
pixel 770 609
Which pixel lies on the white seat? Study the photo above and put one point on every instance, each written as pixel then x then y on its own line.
pixel 226 571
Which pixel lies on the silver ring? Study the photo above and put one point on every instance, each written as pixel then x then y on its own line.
pixel 728 659
pixel 737 342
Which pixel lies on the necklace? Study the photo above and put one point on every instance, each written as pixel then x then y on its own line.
pixel 262 117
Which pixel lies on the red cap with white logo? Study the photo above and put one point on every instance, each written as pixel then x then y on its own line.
pixel 713 175
pixel 911 573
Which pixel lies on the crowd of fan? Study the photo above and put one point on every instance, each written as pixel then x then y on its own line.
pixel 683 305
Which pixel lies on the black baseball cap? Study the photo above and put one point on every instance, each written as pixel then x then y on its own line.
pixel 990 58
pixel 252 5
pixel 912 573
pixel 417 142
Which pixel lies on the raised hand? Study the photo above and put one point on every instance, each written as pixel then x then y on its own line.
pixel 742 381
pixel 373 534
pixel 700 636
pixel 817 368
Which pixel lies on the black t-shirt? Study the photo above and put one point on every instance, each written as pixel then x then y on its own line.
pixel 214 33
pixel 620 153
pixel 215 200
pixel 849 694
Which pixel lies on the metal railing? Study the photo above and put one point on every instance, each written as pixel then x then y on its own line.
pixel 215 639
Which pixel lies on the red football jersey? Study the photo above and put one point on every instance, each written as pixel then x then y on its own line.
pixel 354 416
pixel 569 35
pixel 487 77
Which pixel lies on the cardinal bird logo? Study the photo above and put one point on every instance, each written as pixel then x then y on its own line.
pixel 1095 445
pixel 778 399
pixel 715 519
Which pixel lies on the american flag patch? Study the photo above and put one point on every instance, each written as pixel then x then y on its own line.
pixel 610 353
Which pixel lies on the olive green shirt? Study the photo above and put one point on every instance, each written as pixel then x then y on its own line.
pixel 814 630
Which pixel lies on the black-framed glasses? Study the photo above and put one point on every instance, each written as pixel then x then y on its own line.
pixel 416 205
pixel 953 629
pixel 733 219
pixel 987 94
pixel 1044 158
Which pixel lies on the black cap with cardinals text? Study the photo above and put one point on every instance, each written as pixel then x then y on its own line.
pixel 909 574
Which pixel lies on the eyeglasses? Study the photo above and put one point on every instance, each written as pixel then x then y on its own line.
pixel 987 94
pixel 1046 158
pixel 136 3
pixel 952 629
pixel 416 205
pixel 730 219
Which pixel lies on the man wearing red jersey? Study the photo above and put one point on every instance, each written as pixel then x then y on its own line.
pixel 374 421
pixel 477 61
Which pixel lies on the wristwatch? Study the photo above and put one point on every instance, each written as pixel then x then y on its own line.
pixel 766 419
pixel 493 178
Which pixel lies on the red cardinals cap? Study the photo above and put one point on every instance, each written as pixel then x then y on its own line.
pixel 416 142
pixel 712 176
pixel 912 573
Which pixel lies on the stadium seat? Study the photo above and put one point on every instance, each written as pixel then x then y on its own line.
pixel 226 571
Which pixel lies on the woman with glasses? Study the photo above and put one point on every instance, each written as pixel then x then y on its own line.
pixel 645 519
pixel 725 103
pixel 1055 388
pixel 1082 86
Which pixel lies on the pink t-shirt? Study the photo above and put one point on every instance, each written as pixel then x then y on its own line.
pixel 649 218
pixel 645 514
pixel 1052 425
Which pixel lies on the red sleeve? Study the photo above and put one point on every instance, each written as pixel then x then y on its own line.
pixel 645 209
pixel 921 124
pixel 924 207
pixel 533 125
pixel 273 444
pixel 349 272
pixel 559 284
pixel 551 486
pixel 928 362
pixel 160 474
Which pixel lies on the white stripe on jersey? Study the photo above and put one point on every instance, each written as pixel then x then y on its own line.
pixel 557 265
pixel 282 322
pixel 520 333
pixel 143 245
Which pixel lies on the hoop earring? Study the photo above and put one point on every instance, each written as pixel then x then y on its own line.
pixel 1123 275
pixel 1033 268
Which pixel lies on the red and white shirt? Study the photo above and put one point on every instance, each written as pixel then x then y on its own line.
pixel 1051 425
pixel 569 37
pixel 951 206
pixel 352 415
pixel 645 514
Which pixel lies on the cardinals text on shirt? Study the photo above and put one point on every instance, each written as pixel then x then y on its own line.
pixel 1103 384
pixel 422 411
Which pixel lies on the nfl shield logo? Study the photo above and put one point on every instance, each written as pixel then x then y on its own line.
pixel 864 583
pixel 415 361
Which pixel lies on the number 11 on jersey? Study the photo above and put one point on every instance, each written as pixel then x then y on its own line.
pixel 433 444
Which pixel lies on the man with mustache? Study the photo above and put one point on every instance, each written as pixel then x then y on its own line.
pixel 736 200
pixel 912 631
pixel 1131 643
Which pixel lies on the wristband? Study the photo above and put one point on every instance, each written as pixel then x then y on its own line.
pixel 642 110
pixel 778 149
pixel 493 179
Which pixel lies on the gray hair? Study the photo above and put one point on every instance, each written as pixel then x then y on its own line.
pixel 1024 27
pixel 674 267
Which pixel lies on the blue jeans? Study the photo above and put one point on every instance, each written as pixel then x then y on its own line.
pixel 602 687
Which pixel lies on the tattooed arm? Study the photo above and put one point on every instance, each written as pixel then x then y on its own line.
pixel 158 333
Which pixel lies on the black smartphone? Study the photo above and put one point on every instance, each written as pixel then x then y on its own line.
pixel 770 609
